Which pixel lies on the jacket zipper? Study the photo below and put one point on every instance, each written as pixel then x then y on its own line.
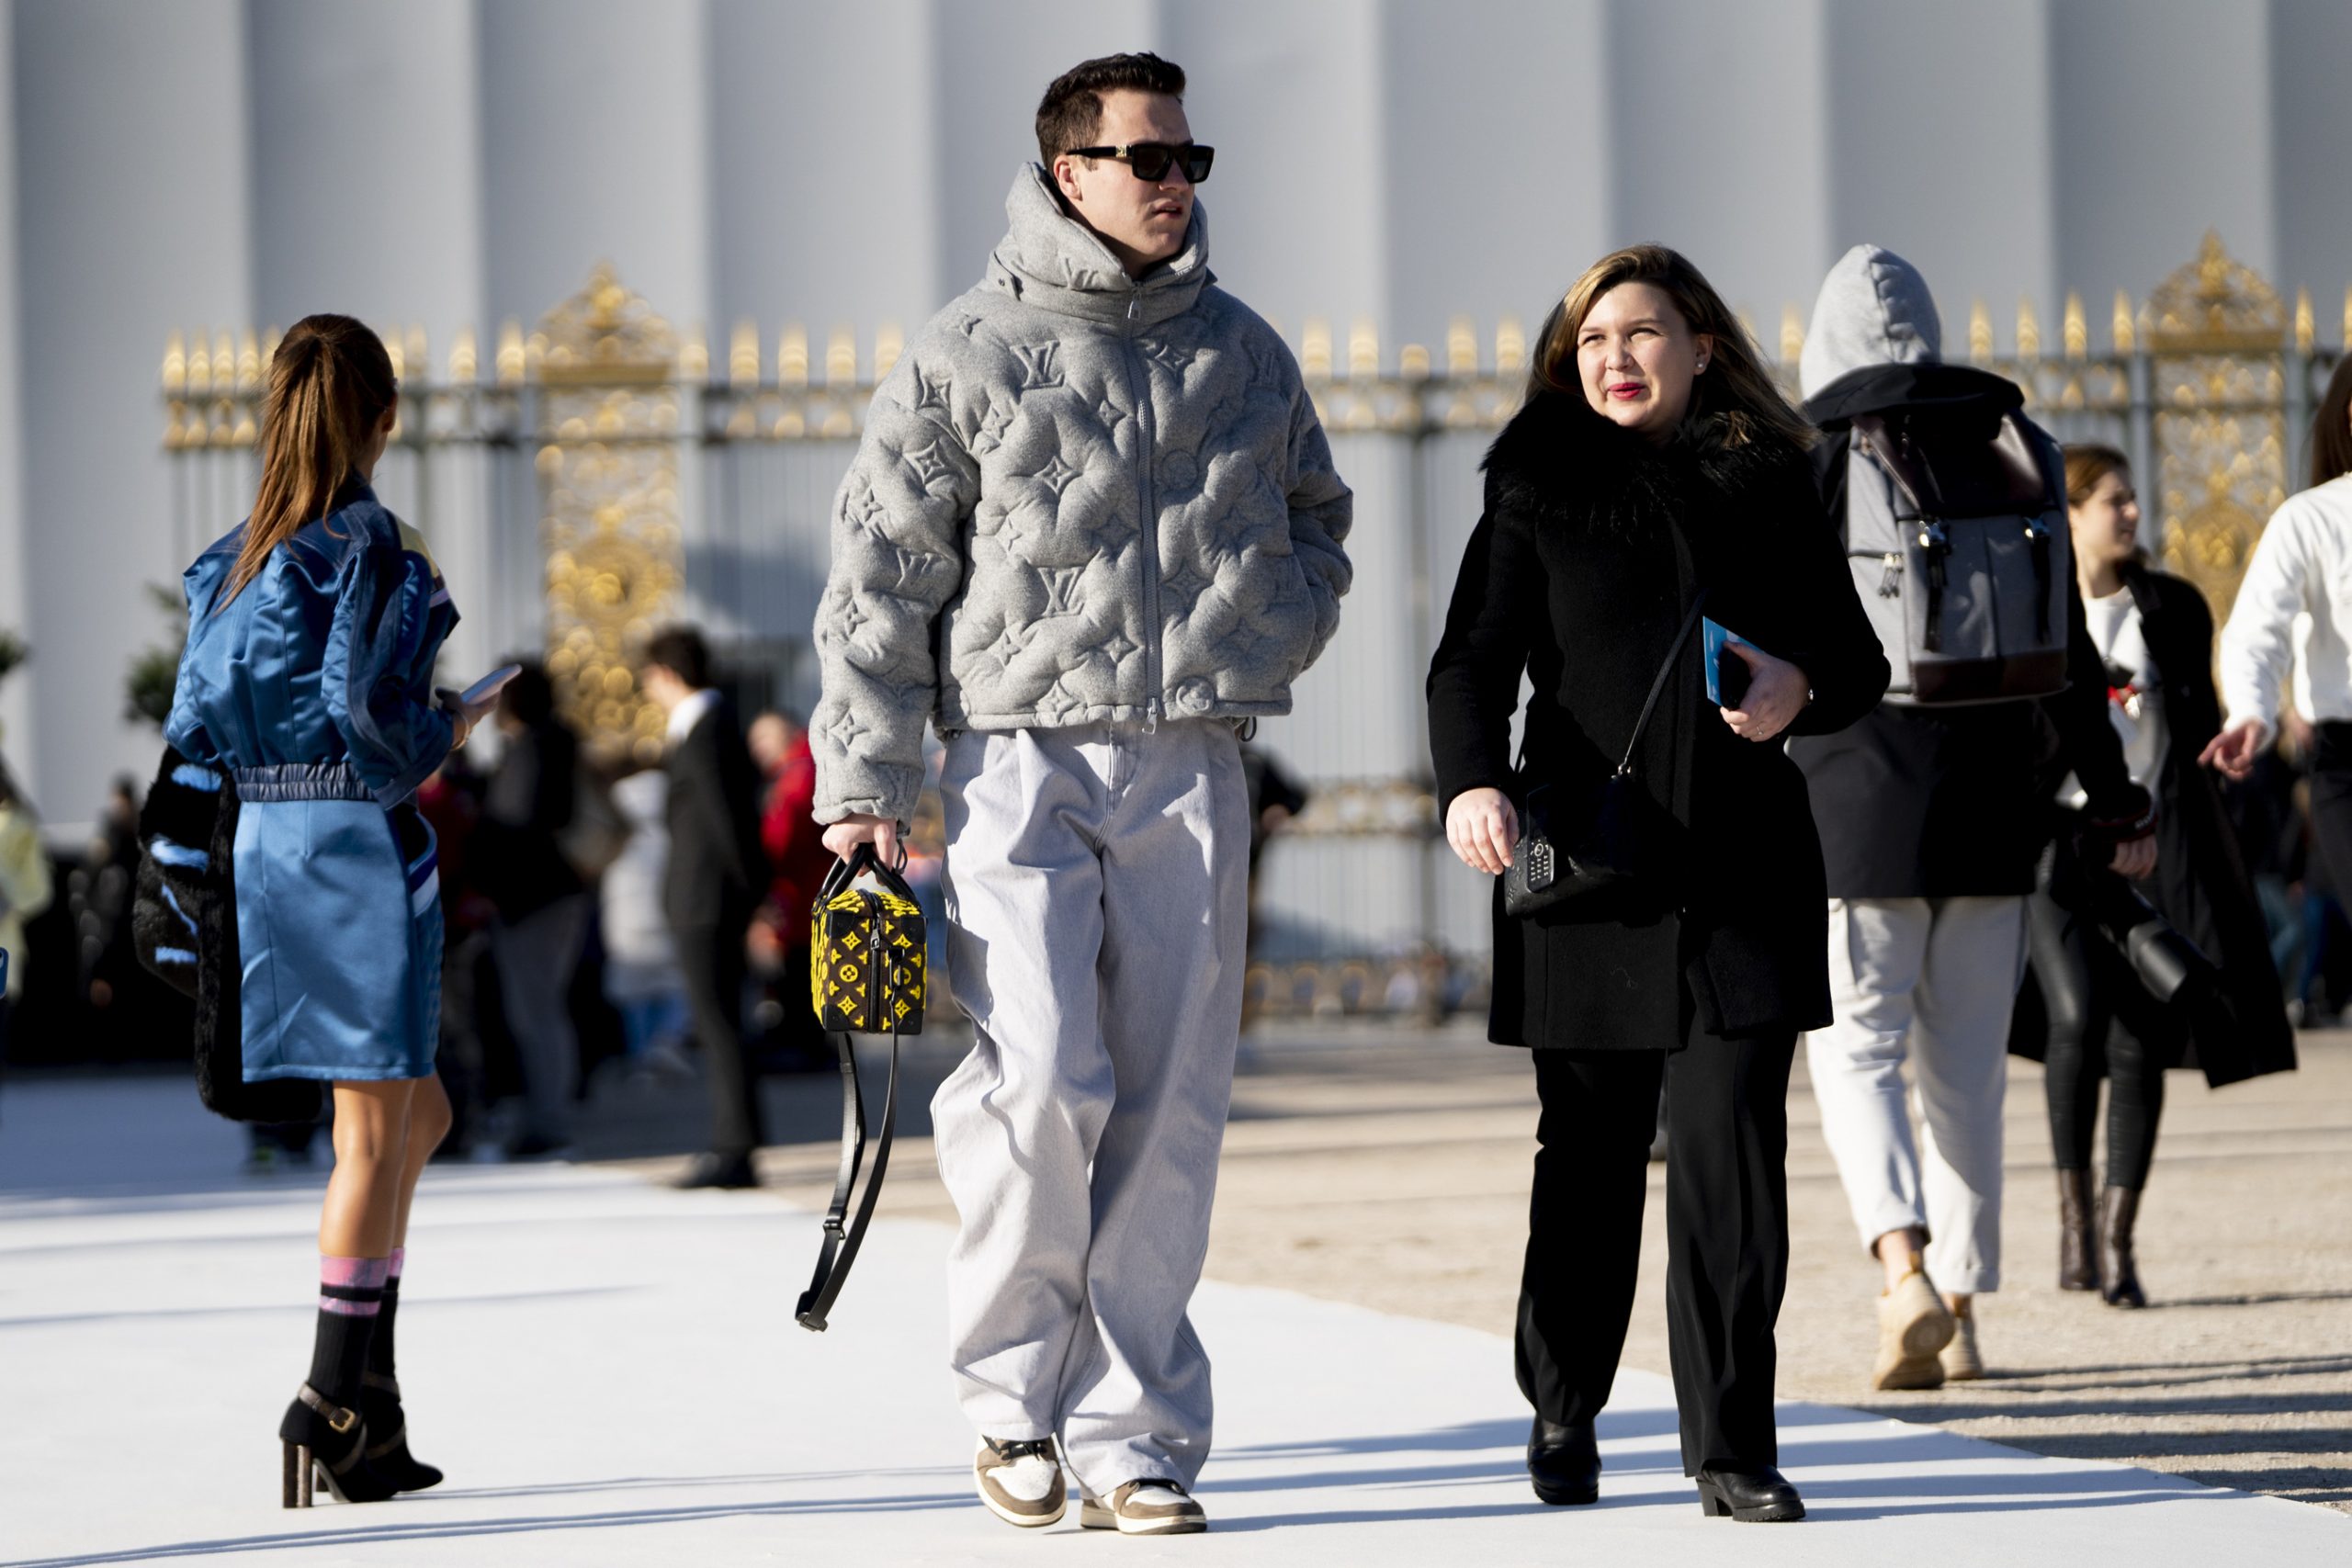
pixel 1148 522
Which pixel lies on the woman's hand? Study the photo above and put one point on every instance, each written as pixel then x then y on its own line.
pixel 1777 692
pixel 844 837
pixel 2235 750
pixel 1483 830
pixel 2134 859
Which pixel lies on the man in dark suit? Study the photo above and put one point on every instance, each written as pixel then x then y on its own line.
pixel 715 878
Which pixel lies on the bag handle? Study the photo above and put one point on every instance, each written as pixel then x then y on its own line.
pixel 861 860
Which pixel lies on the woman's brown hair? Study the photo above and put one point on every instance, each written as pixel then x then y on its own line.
pixel 330 385
pixel 2087 462
pixel 2331 427
pixel 1736 384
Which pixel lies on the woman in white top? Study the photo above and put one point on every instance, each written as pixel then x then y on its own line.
pixel 2095 1017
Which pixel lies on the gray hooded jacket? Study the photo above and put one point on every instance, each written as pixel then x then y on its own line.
pixel 1081 497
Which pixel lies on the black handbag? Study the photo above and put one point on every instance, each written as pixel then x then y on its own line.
pixel 867 975
pixel 1576 842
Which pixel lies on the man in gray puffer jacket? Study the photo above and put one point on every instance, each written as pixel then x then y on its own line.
pixel 1093 527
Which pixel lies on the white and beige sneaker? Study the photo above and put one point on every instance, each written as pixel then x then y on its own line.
pixel 1021 1482
pixel 1962 1361
pixel 1913 1326
pixel 1150 1507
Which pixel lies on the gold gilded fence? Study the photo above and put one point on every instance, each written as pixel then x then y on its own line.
pixel 604 471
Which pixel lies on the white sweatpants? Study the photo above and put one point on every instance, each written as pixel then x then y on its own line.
pixel 1933 980
pixel 1097 906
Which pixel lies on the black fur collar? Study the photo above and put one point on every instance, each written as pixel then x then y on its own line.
pixel 1560 462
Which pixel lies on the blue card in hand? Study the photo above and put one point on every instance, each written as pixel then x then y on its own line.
pixel 1726 671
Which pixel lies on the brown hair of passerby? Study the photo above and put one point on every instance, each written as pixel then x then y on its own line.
pixel 330 385
pixel 2087 462
pixel 1736 384
pixel 2331 427
pixel 1070 114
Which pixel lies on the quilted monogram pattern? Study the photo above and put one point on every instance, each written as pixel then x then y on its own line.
pixel 1079 497
pixel 865 971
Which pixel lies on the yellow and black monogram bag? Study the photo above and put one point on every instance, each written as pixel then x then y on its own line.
pixel 865 976
pixel 865 968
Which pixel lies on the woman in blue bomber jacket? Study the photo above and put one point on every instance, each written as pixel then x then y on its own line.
pixel 307 678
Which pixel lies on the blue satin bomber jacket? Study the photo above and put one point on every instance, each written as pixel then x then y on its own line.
pixel 313 689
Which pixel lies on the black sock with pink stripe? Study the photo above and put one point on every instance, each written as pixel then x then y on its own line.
pixel 351 1295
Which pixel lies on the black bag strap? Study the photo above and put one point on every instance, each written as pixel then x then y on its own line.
pixel 1657 686
pixel 843 1233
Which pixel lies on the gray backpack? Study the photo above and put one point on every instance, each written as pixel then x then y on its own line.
pixel 1959 550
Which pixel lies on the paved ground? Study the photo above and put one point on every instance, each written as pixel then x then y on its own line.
pixel 608 1370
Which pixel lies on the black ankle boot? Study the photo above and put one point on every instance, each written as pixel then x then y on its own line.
pixel 1759 1497
pixel 326 1443
pixel 379 1407
pixel 2118 1208
pixel 1564 1461
pixel 2078 1255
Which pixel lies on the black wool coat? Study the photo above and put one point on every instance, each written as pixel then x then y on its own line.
pixel 2201 882
pixel 1594 544
pixel 717 870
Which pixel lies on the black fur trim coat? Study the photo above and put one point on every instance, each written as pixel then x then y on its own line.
pixel 1594 544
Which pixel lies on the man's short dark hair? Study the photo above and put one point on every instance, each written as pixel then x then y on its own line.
pixel 1070 114
pixel 529 698
pixel 681 652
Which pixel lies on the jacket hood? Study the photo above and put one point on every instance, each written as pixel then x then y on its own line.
pixel 1873 309
pixel 1051 260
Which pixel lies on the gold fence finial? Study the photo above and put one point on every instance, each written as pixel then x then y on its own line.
pixel 2029 330
pixel 248 361
pixel 1461 346
pixel 225 360
pixel 841 356
pixel 743 354
pixel 2126 338
pixel 1791 334
pixel 420 355
pixel 1511 345
pixel 791 356
pixel 1315 350
pixel 2347 316
pixel 465 358
pixel 2306 326
pixel 1980 332
pixel 510 353
pixel 2076 329
pixel 694 355
pixel 174 362
pixel 889 342
pixel 199 361
pixel 1413 362
pixel 1364 349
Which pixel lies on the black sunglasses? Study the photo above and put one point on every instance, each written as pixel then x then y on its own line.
pixel 1150 161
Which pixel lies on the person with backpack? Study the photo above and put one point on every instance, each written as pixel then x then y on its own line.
pixel 1953 507
pixel 2096 1004
pixel 307 681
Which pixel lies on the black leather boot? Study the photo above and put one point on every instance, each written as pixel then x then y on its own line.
pixel 2078 1246
pixel 325 1444
pixel 1761 1496
pixel 2119 1207
pixel 1564 1461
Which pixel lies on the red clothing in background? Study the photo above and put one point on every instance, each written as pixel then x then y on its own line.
pixel 794 841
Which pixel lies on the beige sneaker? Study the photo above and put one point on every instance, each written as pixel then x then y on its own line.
pixel 1913 1325
pixel 1961 1363
pixel 1144 1508
pixel 1021 1482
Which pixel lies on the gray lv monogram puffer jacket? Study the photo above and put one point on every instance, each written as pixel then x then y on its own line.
pixel 1081 498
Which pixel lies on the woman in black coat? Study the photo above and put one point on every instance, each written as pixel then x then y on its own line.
pixel 2084 1009
pixel 1655 460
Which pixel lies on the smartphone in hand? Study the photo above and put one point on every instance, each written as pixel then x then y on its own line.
pixel 1727 672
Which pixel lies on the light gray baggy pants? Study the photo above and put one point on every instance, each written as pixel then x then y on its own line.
pixel 1097 901
pixel 1932 981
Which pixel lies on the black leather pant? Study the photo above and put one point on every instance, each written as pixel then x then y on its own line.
pixel 2075 975
pixel 1726 1234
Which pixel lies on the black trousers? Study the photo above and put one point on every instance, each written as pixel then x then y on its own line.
pixel 1726 1234
pixel 2083 1046
pixel 711 964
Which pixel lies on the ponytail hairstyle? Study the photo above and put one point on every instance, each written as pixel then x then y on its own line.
pixel 1736 384
pixel 330 385
pixel 2331 427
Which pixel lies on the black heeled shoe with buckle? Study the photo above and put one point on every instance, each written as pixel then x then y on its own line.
pixel 1761 1496
pixel 327 1445
pixel 1564 1461
pixel 387 1450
